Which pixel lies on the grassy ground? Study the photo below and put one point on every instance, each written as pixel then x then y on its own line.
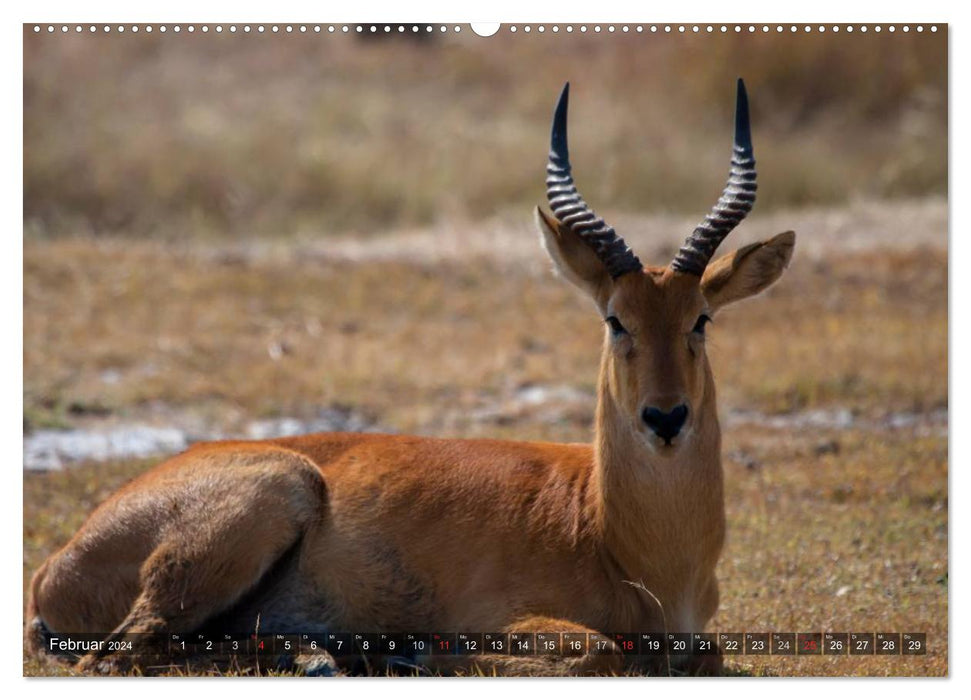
pixel 840 530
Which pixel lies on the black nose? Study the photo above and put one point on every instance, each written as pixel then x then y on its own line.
pixel 665 425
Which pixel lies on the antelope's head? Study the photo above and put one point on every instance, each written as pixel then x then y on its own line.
pixel 655 370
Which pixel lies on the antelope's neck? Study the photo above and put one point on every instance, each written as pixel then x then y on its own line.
pixel 662 518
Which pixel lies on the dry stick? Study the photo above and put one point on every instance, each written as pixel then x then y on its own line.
pixel 664 618
pixel 257 646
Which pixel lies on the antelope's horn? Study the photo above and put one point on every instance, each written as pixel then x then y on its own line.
pixel 736 201
pixel 570 209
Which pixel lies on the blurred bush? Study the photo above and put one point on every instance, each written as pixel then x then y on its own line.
pixel 257 134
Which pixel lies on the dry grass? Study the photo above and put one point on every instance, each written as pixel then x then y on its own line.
pixel 423 347
pixel 181 136
pixel 115 327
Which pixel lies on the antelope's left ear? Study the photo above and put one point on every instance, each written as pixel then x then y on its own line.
pixel 747 271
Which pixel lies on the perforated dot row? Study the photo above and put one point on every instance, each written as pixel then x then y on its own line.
pixel 249 28
pixel 719 28
pixel 428 28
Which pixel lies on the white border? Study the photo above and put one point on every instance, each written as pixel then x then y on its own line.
pixel 820 12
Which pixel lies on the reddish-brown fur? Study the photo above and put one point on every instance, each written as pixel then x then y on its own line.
pixel 396 533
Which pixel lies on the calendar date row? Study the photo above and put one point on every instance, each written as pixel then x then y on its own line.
pixel 524 643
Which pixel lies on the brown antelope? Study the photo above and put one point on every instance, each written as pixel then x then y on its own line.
pixel 366 532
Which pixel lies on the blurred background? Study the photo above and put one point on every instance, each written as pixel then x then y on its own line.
pixel 206 135
pixel 250 235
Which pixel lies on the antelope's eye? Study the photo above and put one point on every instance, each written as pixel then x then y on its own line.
pixel 700 324
pixel 615 326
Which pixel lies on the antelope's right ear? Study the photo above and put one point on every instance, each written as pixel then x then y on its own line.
pixel 572 258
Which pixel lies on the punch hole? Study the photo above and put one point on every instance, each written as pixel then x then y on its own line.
pixel 162 29
pixel 485 29
pixel 36 29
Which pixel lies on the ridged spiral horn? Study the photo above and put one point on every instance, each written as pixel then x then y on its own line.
pixel 736 201
pixel 570 209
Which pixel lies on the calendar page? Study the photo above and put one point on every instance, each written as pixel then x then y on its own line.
pixel 525 349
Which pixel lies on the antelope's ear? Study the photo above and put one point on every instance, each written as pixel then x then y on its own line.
pixel 573 259
pixel 747 271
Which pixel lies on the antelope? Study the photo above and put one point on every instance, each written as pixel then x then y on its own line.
pixel 393 533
